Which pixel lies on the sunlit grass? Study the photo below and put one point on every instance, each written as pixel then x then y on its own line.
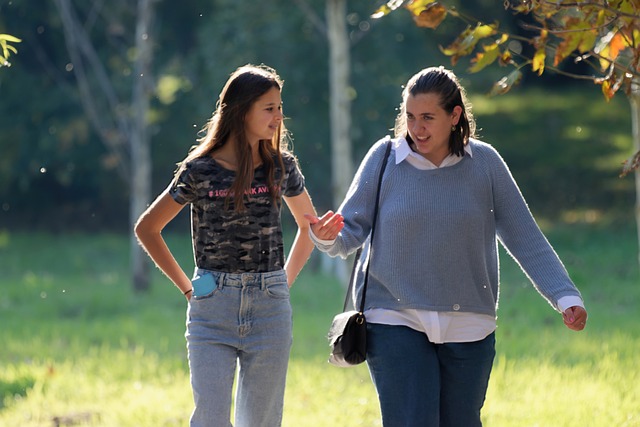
pixel 539 392
pixel 79 346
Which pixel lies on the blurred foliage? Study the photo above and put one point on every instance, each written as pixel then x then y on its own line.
pixel 56 175
pixel 6 48
pixel 604 37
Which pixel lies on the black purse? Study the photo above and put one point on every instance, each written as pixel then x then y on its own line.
pixel 348 332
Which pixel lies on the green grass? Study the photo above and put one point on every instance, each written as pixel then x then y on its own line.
pixel 76 342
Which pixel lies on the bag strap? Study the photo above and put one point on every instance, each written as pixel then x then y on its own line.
pixel 373 227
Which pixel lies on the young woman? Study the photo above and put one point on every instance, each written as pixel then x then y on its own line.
pixel 239 311
pixel 446 199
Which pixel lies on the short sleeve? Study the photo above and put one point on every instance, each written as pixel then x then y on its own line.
pixel 182 188
pixel 294 180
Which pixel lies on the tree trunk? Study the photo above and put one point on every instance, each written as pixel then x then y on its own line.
pixel 139 142
pixel 634 99
pixel 340 111
pixel 134 162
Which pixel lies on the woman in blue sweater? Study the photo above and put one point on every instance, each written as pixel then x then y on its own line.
pixel 446 199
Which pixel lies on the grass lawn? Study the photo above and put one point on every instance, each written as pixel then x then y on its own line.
pixel 78 346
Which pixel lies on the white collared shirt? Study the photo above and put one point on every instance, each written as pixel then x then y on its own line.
pixel 440 327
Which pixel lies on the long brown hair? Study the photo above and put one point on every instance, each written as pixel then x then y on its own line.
pixel 242 89
pixel 445 84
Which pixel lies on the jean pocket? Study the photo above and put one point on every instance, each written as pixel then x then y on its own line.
pixel 203 285
pixel 278 290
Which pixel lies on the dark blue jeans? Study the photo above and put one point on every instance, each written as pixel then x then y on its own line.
pixel 421 384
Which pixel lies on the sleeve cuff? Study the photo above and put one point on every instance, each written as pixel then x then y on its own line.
pixel 570 301
pixel 320 242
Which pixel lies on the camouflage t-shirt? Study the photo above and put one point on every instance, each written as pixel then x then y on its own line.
pixel 224 240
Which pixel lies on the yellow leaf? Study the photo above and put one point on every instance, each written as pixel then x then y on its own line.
pixel 538 60
pixel 607 90
pixel 601 18
pixel 580 35
pixel 505 58
pixel 483 59
pixel 617 44
pixel 9 38
pixel 588 41
pixel 482 31
pixel 460 44
pixel 630 9
pixel 604 62
pixel 417 6
pixel 431 16
pixel 381 11
pixel 570 42
pixel 467 40
pixel 522 8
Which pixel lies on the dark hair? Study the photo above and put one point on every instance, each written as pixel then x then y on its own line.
pixel 242 89
pixel 445 84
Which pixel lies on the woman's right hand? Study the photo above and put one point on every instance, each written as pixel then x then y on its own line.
pixel 326 227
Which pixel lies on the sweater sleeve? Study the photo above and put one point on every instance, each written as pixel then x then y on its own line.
pixel 357 207
pixel 521 236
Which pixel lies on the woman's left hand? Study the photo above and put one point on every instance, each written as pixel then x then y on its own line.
pixel 575 318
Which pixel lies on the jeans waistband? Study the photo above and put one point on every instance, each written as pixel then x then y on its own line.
pixel 239 280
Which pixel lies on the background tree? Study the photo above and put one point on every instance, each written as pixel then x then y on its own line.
pixel 121 125
pixel 603 35
pixel 335 31
pixel 57 176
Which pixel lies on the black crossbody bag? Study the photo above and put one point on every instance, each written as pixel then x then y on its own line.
pixel 348 332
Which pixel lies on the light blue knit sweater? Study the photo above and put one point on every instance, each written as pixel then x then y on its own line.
pixel 436 239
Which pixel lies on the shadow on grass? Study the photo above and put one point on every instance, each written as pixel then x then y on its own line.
pixel 15 388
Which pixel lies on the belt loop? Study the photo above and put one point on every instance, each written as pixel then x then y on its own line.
pixel 221 279
pixel 263 285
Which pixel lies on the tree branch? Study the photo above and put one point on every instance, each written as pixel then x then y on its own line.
pixel 602 6
pixel 312 16
pixel 112 132
pixel 532 27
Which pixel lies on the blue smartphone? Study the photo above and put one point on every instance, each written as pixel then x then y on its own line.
pixel 203 284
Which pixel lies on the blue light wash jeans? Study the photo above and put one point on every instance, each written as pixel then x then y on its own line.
pixel 421 384
pixel 242 320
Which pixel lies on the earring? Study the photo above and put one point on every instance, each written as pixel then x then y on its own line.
pixel 453 128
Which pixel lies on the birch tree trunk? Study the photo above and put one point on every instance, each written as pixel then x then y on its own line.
pixel 125 136
pixel 339 113
pixel 139 142
pixel 634 99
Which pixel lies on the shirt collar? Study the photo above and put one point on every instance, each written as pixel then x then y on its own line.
pixel 402 150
